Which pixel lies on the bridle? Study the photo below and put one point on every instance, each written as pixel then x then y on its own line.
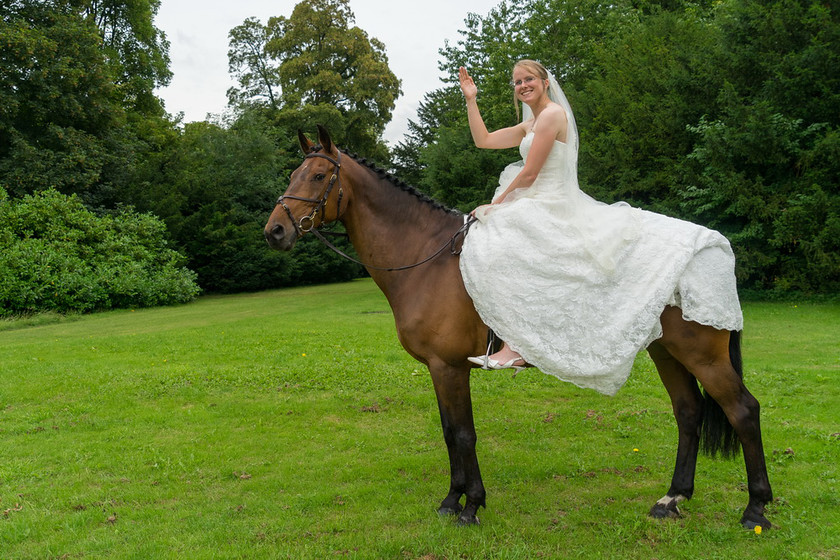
pixel 306 224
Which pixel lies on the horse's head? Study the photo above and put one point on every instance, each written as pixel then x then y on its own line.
pixel 315 194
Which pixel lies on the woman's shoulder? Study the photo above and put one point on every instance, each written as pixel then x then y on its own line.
pixel 553 112
pixel 552 121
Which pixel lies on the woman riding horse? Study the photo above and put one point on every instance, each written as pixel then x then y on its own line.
pixel 391 224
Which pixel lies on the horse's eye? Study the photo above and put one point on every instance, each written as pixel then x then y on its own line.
pixel 318 177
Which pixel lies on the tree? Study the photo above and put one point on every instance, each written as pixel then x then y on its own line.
pixel 440 108
pixel 136 51
pixel 252 67
pixel 654 80
pixel 765 168
pixel 77 109
pixel 214 195
pixel 725 113
pixel 218 187
pixel 785 52
pixel 316 67
pixel 57 103
pixel 333 73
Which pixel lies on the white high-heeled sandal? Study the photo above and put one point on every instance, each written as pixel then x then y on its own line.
pixel 486 362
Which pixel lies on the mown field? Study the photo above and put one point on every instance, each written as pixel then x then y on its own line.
pixel 290 424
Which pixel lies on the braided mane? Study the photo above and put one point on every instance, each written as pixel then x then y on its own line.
pixel 394 181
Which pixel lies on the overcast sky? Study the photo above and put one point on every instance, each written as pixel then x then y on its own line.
pixel 412 32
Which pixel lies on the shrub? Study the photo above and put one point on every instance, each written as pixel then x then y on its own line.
pixel 55 255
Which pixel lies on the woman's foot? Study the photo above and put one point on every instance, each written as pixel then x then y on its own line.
pixel 500 361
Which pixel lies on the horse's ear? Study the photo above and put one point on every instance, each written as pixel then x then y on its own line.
pixel 305 144
pixel 324 138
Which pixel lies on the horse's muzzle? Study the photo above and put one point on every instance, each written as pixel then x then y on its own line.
pixel 280 237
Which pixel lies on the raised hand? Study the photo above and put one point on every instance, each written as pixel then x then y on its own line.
pixel 468 86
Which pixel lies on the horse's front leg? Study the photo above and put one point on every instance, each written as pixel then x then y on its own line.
pixel 452 387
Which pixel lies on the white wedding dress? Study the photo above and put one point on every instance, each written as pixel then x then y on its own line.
pixel 577 286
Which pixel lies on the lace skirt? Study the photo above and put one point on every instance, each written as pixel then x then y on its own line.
pixel 577 286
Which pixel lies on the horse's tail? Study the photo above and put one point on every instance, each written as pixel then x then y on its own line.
pixel 717 436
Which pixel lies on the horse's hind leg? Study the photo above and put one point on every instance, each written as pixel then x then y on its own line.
pixel 705 352
pixel 687 403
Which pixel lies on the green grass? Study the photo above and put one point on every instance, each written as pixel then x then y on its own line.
pixel 290 424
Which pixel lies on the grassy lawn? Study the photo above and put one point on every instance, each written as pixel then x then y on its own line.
pixel 291 424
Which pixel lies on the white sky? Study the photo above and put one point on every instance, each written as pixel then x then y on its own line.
pixel 411 30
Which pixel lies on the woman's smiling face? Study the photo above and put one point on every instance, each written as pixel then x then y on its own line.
pixel 528 86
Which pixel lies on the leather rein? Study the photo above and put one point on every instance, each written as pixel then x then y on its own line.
pixel 306 224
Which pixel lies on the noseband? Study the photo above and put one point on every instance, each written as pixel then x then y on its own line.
pixel 307 223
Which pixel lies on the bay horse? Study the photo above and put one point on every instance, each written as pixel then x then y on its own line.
pixel 400 235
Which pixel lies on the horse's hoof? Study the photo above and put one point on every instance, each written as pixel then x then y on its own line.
pixel 754 520
pixel 468 520
pixel 667 510
pixel 446 510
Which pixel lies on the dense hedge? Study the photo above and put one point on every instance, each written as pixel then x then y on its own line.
pixel 55 255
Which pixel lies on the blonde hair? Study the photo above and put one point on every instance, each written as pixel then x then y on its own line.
pixel 536 68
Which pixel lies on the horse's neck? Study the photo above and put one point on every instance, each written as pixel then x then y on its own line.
pixel 390 228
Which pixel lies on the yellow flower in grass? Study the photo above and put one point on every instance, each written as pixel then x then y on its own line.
pixel 758 529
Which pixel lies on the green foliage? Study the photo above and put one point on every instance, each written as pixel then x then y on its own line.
pixel 251 66
pixel 324 60
pixel 765 171
pixel 57 256
pixel 316 67
pixel 219 186
pixel 56 102
pixel 215 195
pixel 655 79
pixel 77 109
pixel 450 162
pixel 137 52
pixel 784 52
pixel 724 113
pixel 441 108
pixel 78 114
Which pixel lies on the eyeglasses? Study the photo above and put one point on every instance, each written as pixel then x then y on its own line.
pixel 526 81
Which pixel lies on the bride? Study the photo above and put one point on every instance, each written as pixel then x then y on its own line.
pixel 573 286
